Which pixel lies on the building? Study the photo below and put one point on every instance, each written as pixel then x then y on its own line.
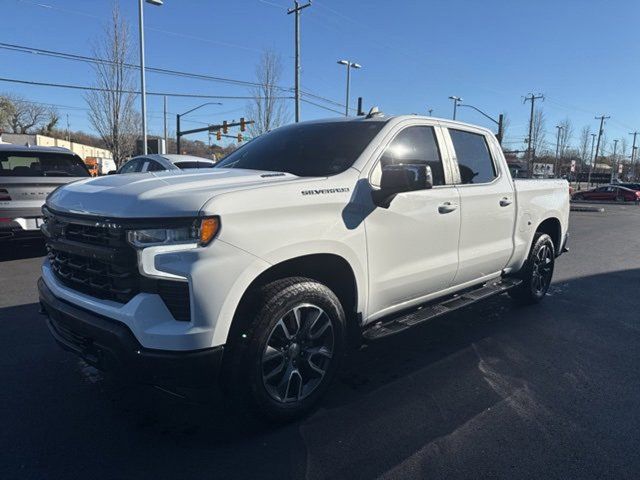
pixel 83 151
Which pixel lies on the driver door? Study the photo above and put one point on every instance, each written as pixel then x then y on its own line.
pixel 412 246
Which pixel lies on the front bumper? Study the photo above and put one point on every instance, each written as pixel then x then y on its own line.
pixel 110 345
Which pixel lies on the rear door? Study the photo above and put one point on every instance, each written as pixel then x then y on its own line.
pixel 487 205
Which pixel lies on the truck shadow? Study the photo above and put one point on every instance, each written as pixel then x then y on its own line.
pixel 394 401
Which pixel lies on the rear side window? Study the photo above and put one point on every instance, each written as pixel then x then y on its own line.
pixel 474 159
pixel 416 145
pixel 41 164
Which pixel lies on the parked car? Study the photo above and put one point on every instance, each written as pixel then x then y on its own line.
pixel 611 193
pixel 27 176
pixel 309 240
pixel 632 186
pixel 159 163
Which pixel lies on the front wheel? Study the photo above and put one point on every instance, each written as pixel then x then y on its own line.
pixel 292 349
pixel 537 271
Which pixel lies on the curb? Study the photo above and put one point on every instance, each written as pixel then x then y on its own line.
pixel 580 208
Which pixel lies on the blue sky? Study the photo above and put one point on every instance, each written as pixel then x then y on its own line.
pixel 582 54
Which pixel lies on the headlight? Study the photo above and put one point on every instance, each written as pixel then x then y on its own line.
pixel 201 231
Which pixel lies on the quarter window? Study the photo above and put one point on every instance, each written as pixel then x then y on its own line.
pixel 413 145
pixel 474 159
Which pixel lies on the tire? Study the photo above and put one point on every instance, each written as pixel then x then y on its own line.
pixel 578 196
pixel 537 271
pixel 620 199
pixel 279 369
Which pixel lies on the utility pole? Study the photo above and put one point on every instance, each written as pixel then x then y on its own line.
pixel 532 97
pixel 296 9
pixel 430 112
pixel 68 130
pixel 613 166
pixel 633 155
pixel 593 144
pixel 560 128
pixel 164 117
pixel 456 101
pixel 602 118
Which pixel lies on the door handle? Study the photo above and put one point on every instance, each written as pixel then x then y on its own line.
pixel 447 207
pixel 505 202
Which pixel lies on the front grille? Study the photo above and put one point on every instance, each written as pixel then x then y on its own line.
pixel 93 259
pixel 93 256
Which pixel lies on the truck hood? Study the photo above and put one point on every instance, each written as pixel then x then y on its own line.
pixel 158 194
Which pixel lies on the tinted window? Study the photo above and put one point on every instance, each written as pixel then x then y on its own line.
pixel 154 167
pixel 474 159
pixel 416 145
pixel 131 166
pixel 40 164
pixel 196 164
pixel 306 150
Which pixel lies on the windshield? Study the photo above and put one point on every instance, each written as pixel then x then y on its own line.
pixel 41 164
pixel 306 150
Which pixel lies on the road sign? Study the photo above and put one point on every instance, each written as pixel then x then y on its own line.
pixel 573 165
pixel 620 168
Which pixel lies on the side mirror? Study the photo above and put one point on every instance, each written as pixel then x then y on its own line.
pixel 401 178
pixel 112 172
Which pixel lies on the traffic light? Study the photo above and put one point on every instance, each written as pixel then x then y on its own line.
pixel 218 135
pixel 225 127
pixel 243 125
pixel 239 138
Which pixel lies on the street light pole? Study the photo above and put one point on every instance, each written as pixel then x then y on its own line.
pixel 349 64
pixel 143 84
pixel 455 104
pixel 560 128
pixel 499 122
pixel 180 115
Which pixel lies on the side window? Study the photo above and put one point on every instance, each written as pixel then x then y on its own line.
pixel 130 167
pixel 474 159
pixel 413 145
pixel 154 166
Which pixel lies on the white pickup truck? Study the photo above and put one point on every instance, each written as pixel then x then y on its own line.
pixel 311 239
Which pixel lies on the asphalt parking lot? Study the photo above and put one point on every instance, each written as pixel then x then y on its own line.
pixel 494 391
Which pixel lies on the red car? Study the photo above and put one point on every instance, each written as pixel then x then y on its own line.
pixel 609 193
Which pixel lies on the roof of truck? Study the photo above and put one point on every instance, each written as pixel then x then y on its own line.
pixel 5 147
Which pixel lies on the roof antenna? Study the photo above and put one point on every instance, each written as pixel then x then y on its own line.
pixel 374 112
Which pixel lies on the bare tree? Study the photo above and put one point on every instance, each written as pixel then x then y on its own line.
pixel 565 136
pixel 267 108
pixel 584 147
pixel 538 133
pixel 111 110
pixel 23 116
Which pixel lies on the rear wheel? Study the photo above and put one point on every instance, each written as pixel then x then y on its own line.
pixel 537 271
pixel 620 198
pixel 290 353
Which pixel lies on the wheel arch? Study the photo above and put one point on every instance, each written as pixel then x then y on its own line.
pixel 552 227
pixel 330 269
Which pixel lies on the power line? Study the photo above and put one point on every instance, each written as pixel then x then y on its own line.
pixel 162 71
pixel 321 106
pixel 135 92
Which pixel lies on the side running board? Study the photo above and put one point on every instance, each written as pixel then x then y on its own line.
pixel 426 312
